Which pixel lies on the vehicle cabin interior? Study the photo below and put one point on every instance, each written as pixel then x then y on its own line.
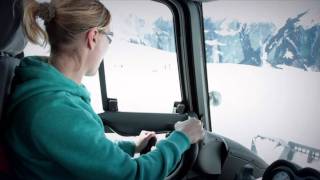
pixel 196 56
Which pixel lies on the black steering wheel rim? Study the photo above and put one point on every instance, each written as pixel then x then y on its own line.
pixel 186 163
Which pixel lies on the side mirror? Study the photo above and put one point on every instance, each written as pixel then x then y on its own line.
pixel 215 98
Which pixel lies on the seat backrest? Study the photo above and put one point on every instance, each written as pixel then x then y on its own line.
pixel 12 43
pixel 7 67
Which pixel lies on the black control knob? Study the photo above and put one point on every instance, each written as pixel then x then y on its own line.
pixel 152 142
pixel 246 173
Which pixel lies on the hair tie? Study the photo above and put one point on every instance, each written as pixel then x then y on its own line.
pixel 47 12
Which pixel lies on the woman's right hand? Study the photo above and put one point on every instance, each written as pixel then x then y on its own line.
pixel 192 127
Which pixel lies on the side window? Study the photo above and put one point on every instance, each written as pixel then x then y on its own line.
pixel 263 65
pixel 141 64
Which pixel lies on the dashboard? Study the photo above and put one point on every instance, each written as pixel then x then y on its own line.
pixel 225 159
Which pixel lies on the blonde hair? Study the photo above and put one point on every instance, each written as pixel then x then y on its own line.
pixel 63 20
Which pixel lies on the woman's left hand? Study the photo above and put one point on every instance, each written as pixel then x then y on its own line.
pixel 143 139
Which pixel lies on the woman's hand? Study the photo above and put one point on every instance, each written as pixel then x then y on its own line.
pixel 192 127
pixel 143 139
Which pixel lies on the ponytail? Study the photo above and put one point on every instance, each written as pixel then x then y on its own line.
pixel 34 32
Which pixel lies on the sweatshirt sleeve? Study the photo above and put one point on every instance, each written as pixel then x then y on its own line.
pixel 127 146
pixel 76 141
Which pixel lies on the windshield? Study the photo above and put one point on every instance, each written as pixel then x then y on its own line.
pixel 263 65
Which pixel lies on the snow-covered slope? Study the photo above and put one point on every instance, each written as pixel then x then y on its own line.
pixel 266 101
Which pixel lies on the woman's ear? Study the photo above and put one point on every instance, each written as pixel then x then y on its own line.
pixel 91 37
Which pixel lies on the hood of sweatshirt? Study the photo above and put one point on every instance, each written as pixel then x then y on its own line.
pixel 35 76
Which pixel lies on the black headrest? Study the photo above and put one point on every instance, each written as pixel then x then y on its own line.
pixel 12 38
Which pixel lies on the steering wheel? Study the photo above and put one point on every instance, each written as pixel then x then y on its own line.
pixel 186 163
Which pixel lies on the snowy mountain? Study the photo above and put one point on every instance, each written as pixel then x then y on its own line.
pixel 231 41
pixel 293 45
pixel 258 43
pixel 236 42
pixel 158 34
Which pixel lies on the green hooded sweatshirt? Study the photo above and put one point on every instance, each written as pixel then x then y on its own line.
pixel 55 133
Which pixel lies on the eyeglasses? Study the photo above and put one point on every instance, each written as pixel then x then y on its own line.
pixel 109 35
